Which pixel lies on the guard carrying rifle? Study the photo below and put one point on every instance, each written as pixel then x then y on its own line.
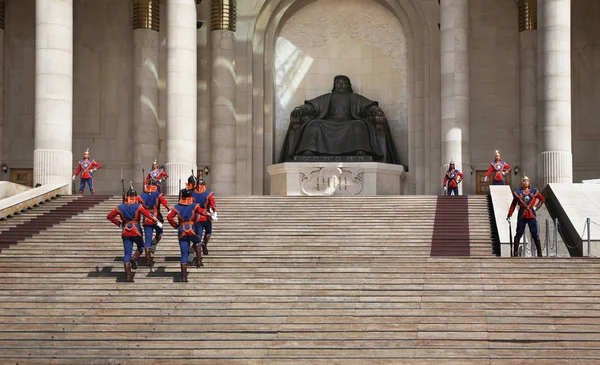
pixel 151 200
pixel 205 198
pixel 129 214
pixel 529 201
pixel 187 213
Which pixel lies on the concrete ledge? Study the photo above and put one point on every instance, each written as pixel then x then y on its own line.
pixel 31 197
pixel 8 189
pixel 501 196
pixel 573 204
pixel 336 179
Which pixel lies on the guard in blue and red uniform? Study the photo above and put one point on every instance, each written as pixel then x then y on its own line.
pixel 87 166
pixel 187 213
pixel 529 200
pixel 499 169
pixel 206 199
pixel 190 185
pixel 452 178
pixel 130 213
pixel 151 200
pixel 157 174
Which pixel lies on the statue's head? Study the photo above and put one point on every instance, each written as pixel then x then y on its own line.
pixel 342 84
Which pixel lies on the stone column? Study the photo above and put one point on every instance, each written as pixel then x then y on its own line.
pixel 528 88
pixel 223 95
pixel 53 154
pixel 181 92
pixel 454 33
pixel 554 92
pixel 1 82
pixel 146 20
pixel 204 102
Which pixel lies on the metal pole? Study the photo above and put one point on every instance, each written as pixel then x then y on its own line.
pixel 547 240
pixel 589 221
pixel 556 235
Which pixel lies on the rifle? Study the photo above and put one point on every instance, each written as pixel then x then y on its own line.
pixel 143 180
pixel 123 186
pixel 510 237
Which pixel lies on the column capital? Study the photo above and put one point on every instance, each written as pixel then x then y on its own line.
pixel 146 14
pixel 223 15
pixel 527 15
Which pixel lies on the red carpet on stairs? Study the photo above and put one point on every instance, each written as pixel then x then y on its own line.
pixel 40 223
pixel 451 227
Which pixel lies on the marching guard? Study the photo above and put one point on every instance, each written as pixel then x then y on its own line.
pixel 206 199
pixel 151 200
pixel 187 213
pixel 452 178
pixel 130 213
pixel 529 201
pixel 87 166
pixel 499 168
pixel 157 174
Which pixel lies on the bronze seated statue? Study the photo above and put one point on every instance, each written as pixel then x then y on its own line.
pixel 340 123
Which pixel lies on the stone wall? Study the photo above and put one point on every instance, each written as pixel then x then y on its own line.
pixel 585 66
pixel 369 46
pixel 102 86
pixel 494 83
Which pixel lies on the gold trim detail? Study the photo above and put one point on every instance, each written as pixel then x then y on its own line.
pixel 223 15
pixel 146 14
pixel 527 15
pixel 1 14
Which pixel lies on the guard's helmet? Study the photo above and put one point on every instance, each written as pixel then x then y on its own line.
pixel 201 182
pixel 131 192
pixel 152 182
pixel 186 193
pixel 191 179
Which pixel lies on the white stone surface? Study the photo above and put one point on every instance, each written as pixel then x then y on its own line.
pixel 454 33
pixel 204 75
pixel 30 197
pixel 145 102
pixel 223 115
pixel 501 199
pixel 579 202
pixel 8 189
pixel 336 178
pixel 53 92
pixel 555 161
pixel 181 92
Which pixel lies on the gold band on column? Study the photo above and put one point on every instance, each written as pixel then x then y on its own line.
pixel 1 14
pixel 146 14
pixel 527 15
pixel 223 15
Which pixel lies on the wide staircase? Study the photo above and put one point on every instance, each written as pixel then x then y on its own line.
pixel 289 280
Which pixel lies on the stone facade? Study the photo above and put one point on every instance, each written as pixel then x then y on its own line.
pixel 405 79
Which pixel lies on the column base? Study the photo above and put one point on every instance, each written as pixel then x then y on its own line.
pixel 179 172
pixel 557 167
pixel 52 167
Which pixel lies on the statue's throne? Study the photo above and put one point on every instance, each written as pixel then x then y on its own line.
pixel 380 123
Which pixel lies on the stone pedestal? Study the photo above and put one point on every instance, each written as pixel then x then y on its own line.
pixel 336 179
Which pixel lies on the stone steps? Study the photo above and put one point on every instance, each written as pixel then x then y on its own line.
pixel 273 291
